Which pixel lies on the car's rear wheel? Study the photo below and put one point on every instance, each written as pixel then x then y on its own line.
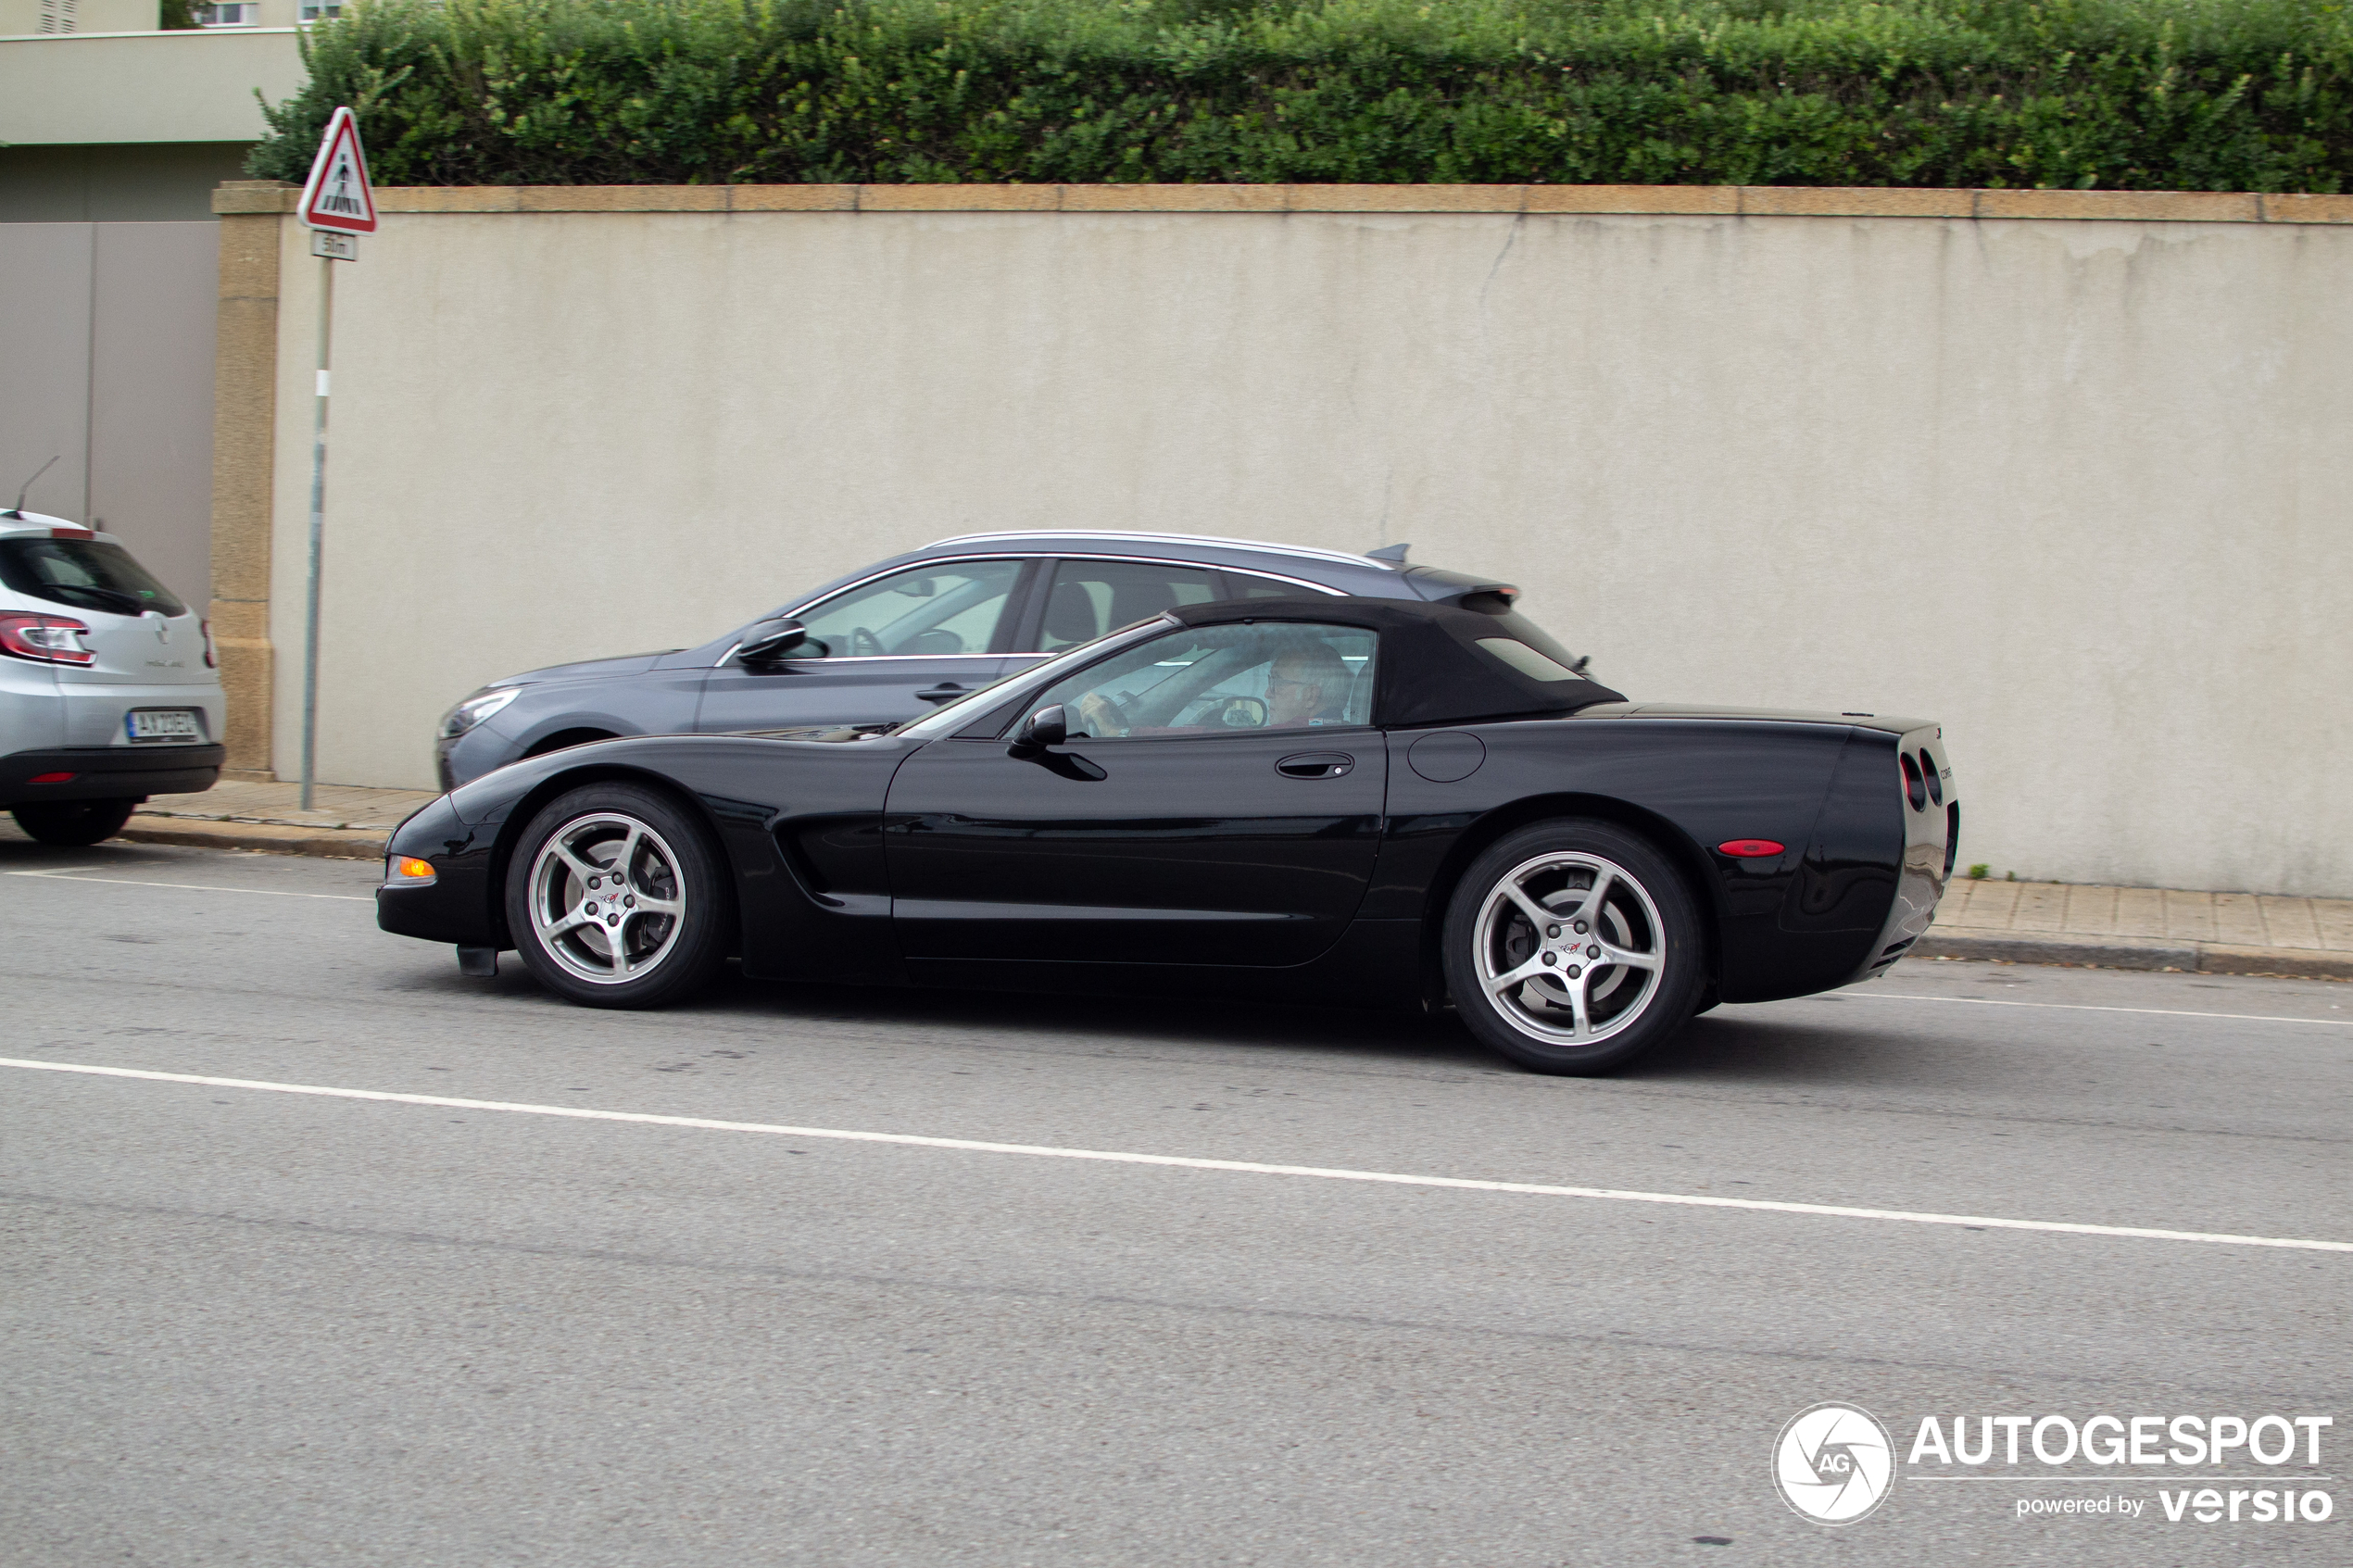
pixel 1573 946
pixel 77 822
pixel 617 897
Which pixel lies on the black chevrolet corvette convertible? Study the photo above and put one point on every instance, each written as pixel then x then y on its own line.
pixel 1334 799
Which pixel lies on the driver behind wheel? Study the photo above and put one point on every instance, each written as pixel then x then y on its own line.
pixel 1309 686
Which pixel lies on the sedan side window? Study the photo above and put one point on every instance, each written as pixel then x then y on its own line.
pixel 925 612
pixel 1089 598
pixel 1249 586
pixel 1221 679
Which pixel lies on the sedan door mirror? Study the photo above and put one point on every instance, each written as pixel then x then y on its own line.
pixel 1048 726
pixel 771 640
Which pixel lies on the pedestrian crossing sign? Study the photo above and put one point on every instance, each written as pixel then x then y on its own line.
pixel 336 197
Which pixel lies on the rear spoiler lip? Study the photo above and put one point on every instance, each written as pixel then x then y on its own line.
pixel 1895 727
pixel 1438 585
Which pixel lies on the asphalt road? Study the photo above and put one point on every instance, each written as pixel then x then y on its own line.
pixel 240 1325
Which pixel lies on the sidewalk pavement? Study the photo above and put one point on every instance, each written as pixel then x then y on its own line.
pixel 2143 928
pixel 345 821
pixel 2043 922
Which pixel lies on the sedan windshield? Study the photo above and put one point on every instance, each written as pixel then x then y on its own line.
pixel 85 573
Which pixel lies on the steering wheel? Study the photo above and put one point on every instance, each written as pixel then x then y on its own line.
pixel 865 644
pixel 1108 710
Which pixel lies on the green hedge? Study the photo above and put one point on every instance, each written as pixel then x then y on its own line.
pixel 2138 94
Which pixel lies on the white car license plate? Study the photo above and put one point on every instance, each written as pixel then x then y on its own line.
pixel 162 723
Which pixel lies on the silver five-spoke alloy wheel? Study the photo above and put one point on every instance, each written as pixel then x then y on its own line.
pixel 1570 949
pixel 605 897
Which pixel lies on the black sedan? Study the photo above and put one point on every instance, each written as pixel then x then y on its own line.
pixel 1324 799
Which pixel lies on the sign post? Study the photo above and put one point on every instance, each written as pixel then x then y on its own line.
pixel 337 206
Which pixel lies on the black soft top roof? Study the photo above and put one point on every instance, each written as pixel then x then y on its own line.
pixel 1431 670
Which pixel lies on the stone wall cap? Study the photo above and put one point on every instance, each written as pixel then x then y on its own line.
pixel 254 195
pixel 1716 201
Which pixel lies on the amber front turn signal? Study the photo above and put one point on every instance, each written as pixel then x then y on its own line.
pixel 410 870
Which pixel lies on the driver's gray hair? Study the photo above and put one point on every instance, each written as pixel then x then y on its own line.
pixel 1322 664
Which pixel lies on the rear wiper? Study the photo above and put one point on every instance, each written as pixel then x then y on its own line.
pixel 107 597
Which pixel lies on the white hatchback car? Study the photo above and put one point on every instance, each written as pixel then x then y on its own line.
pixel 108 691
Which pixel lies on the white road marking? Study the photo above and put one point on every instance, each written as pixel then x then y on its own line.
pixel 1248 1166
pixel 69 874
pixel 2086 1007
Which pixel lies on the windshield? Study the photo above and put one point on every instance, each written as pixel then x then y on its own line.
pixel 929 611
pixel 964 709
pixel 85 573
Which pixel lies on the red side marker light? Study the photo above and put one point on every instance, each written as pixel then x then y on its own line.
pixel 52 778
pixel 1748 849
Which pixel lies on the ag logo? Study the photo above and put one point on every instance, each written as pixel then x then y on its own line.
pixel 1834 1464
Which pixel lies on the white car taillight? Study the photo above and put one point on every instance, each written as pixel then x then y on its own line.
pixel 211 659
pixel 49 639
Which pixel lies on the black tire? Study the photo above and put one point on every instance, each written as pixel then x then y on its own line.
pixel 674 861
pixel 1571 1014
pixel 77 822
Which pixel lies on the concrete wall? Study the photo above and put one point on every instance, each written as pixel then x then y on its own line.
pixel 109 344
pixel 2075 484
pixel 79 16
pixel 117 182
pixel 88 87
pixel 122 15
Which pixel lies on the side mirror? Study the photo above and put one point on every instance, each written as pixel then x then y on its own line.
pixel 771 640
pixel 1048 726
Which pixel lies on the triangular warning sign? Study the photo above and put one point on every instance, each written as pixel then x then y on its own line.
pixel 336 197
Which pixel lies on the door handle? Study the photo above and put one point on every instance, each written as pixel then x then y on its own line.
pixel 947 690
pixel 1316 765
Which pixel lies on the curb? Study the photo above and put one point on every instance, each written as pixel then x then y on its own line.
pixel 2130 952
pixel 269 839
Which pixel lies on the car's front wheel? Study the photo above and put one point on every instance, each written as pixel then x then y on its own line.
pixel 1573 946
pixel 617 897
pixel 78 822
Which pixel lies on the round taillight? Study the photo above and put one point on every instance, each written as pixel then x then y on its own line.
pixel 1935 784
pixel 1914 789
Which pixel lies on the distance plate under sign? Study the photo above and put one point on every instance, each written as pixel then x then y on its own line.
pixel 334 246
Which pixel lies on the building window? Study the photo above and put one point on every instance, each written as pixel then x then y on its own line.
pixel 234 15
pixel 57 16
pixel 314 11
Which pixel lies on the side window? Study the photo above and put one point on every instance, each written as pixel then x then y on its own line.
pixel 1221 679
pixel 925 611
pixel 1244 585
pixel 1089 598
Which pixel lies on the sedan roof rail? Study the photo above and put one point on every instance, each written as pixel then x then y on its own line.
pixel 1114 537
